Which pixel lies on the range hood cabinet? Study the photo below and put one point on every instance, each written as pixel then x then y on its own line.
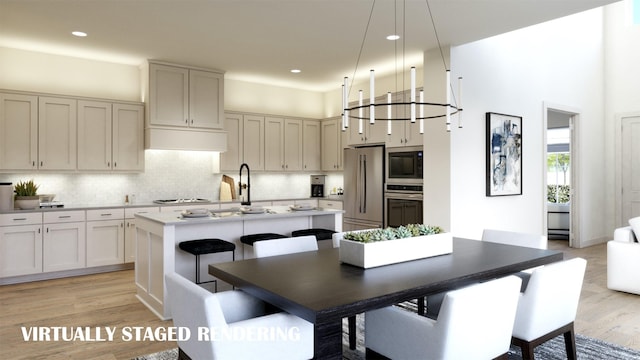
pixel 175 139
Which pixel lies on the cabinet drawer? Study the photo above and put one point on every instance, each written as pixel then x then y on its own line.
pixel 34 218
pixel 130 212
pixel 330 204
pixel 105 214
pixel 63 216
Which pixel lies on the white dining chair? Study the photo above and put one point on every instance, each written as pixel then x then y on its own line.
pixel 548 306
pixel 234 321
pixel 475 322
pixel 284 246
pixel 433 302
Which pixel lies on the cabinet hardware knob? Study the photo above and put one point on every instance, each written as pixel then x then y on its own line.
pixel 19 219
pixel 115 164
pixel 41 163
pixel 105 214
pixel 33 164
pixel 64 216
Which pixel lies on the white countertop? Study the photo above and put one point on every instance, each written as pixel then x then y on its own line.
pixel 272 212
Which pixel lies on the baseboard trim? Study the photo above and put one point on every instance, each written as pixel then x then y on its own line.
pixel 65 273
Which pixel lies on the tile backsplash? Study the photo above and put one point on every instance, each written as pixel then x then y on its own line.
pixel 168 175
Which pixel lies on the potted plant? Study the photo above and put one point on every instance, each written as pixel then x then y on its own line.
pixel 26 195
pixel 376 247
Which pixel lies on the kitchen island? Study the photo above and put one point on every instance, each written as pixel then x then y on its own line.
pixel 158 236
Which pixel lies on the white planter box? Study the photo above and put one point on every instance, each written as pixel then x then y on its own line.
pixel 368 255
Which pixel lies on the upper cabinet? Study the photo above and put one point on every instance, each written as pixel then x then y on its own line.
pixel 185 108
pixel 18 131
pixel 271 143
pixel 42 132
pixel 311 148
pixel 179 96
pixel 331 144
pixel 57 142
pixel 110 136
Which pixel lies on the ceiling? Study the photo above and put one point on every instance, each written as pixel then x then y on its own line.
pixel 262 40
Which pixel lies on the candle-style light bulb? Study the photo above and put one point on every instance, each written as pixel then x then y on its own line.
pixel 413 94
pixel 345 102
pixel 448 103
pixel 389 113
pixel 421 111
pixel 372 97
pixel 360 129
pixel 460 102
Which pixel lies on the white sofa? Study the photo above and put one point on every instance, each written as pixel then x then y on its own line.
pixel 623 259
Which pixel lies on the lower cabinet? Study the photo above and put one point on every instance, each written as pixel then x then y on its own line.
pixel 130 231
pixel 20 250
pixel 105 237
pixel 64 241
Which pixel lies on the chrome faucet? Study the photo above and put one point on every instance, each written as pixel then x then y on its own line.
pixel 246 186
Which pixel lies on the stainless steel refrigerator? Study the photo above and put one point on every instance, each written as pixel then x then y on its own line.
pixel 363 188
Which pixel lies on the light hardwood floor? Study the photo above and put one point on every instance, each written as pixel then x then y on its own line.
pixel 108 300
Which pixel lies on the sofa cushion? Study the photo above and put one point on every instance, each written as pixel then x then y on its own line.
pixel 635 226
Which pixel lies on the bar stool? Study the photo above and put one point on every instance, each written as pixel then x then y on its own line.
pixel 207 246
pixel 320 234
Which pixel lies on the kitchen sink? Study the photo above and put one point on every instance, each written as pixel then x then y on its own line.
pixel 183 201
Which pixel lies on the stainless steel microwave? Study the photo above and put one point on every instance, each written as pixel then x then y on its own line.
pixel 404 165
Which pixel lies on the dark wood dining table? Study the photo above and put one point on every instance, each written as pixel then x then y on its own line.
pixel 317 287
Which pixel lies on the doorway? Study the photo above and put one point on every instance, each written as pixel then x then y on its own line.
pixel 628 167
pixel 560 186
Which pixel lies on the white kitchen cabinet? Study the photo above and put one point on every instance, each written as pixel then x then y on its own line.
pixel 404 133
pixel 306 202
pixel 253 141
pixel 18 131
pixel 105 237
pixel 331 145
pixel 311 148
pixel 57 126
pixel 371 134
pixel 330 204
pixel 20 244
pixel 130 230
pixel 110 136
pixel 128 137
pixel 64 240
pixel 283 144
pixel 231 159
pixel 185 97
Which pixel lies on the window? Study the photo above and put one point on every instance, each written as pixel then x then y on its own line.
pixel 558 165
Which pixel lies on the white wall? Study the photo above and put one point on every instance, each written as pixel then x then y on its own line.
pixel 39 72
pixel 559 62
pixel 622 93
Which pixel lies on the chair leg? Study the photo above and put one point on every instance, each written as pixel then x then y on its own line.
pixel 527 351
pixel 421 305
pixel 197 269
pixel 570 344
pixel 352 332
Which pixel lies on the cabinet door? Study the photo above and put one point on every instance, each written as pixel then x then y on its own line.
pixel 20 250
pixel 232 158
pixel 94 135
pixel 330 145
pixel 168 95
pixel 64 246
pixel 18 131
pixel 311 146
pixel 273 144
pixel 128 137
pixel 253 141
pixel 130 241
pixel 412 134
pixel 292 144
pixel 57 133
pixel 105 242
pixel 205 99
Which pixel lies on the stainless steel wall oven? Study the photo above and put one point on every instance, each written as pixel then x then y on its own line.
pixel 403 204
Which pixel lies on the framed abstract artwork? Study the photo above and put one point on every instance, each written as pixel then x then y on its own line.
pixel 504 154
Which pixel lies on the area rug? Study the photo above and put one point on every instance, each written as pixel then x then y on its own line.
pixel 554 349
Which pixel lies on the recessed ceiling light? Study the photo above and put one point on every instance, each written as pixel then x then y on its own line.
pixel 79 33
pixel 296 71
pixel 393 37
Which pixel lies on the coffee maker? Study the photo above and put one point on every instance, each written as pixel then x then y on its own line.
pixel 317 185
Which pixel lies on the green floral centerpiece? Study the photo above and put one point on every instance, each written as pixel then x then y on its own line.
pixel 27 195
pixel 391 233
pixel 376 247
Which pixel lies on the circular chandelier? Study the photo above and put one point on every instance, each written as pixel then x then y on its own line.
pixel 415 115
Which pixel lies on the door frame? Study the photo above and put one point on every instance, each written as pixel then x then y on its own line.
pixel 618 164
pixel 574 151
